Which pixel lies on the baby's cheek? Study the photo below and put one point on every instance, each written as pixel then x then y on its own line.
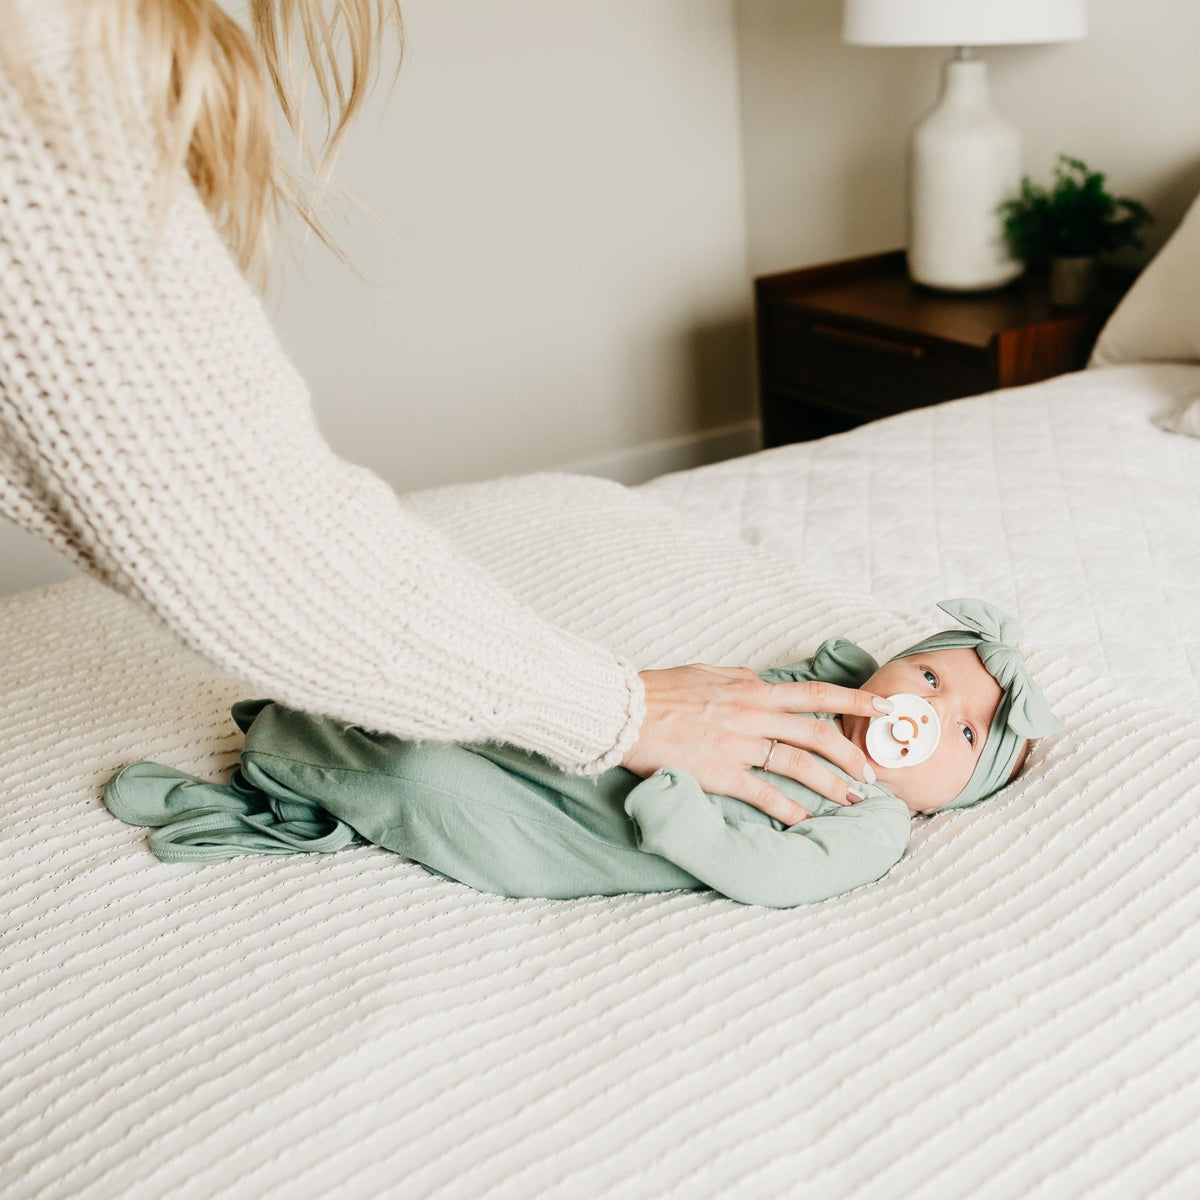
pixel 965 767
pixel 947 772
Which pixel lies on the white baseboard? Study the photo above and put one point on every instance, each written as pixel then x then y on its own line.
pixel 637 464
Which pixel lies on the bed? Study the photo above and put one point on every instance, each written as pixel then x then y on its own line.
pixel 1014 1011
pixel 1067 504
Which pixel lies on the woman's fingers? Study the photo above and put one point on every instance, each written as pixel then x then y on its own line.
pixel 717 723
pixel 819 737
pixel 769 799
pixel 823 697
pixel 810 771
pixel 758 790
pixel 790 701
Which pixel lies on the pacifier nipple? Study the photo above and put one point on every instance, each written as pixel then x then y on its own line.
pixel 905 737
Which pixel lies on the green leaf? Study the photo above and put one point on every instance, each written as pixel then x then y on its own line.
pixel 1077 216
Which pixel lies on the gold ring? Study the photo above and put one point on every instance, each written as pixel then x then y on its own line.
pixel 771 751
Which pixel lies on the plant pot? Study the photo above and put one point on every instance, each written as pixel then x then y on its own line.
pixel 1073 281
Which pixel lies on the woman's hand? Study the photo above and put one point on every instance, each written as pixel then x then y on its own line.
pixel 716 723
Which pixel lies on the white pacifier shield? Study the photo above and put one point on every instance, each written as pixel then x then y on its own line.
pixel 906 736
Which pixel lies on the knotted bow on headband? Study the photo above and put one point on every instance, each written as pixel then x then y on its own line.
pixel 1022 712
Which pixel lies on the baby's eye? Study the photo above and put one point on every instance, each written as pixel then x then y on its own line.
pixel 969 734
pixel 930 676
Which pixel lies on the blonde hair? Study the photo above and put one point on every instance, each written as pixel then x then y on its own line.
pixel 209 89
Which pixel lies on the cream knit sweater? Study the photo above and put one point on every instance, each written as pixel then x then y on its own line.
pixel 153 430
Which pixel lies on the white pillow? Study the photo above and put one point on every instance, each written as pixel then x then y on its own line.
pixel 1188 421
pixel 1159 317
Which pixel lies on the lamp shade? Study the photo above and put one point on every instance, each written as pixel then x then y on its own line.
pixel 962 22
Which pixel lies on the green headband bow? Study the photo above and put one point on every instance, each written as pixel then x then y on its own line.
pixel 1022 712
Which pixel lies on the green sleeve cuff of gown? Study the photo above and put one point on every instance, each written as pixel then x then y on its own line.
pixel 837 660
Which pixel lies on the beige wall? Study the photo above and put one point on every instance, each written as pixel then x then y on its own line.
pixel 825 125
pixel 563 270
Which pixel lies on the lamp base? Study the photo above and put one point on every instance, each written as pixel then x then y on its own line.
pixel 958 289
pixel 965 160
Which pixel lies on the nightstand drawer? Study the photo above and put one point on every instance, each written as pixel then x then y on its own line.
pixel 873 373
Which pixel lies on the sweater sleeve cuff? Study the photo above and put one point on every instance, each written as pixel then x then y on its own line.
pixel 589 725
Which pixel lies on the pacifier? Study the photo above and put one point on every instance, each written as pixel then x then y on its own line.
pixel 906 736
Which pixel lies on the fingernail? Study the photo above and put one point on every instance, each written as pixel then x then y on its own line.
pixel 853 797
pixel 869 774
pixel 882 704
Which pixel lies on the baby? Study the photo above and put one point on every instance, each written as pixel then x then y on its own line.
pixel 508 822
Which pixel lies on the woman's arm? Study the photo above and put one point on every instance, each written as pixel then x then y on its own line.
pixel 154 429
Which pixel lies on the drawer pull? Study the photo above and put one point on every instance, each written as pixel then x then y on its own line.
pixel 867 341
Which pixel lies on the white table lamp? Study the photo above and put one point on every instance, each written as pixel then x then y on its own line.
pixel 965 158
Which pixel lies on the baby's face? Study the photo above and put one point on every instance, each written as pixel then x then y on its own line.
pixel 965 698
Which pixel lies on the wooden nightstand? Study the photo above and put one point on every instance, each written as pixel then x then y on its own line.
pixel 848 342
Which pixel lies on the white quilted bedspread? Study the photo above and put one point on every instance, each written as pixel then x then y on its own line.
pixel 1064 503
pixel 1014 1011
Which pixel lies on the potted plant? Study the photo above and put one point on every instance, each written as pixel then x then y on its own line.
pixel 1070 226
